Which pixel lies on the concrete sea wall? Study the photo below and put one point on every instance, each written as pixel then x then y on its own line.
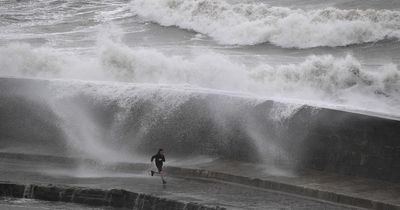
pixel 97 197
pixel 317 191
pixel 311 192
pixel 204 124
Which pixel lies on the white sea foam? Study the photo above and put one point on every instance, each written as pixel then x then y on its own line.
pixel 334 80
pixel 255 23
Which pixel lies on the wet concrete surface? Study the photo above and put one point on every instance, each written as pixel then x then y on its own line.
pixel 351 186
pixel 31 204
pixel 203 191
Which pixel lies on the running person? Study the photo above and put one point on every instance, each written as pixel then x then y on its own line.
pixel 159 160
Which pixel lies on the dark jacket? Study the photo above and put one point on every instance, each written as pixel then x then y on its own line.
pixel 159 159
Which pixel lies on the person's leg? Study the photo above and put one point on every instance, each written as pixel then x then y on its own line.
pixel 160 171
pixel 154 172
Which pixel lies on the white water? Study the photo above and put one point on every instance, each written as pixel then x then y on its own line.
pixel 110 41
pixel 320 79
pixel 256 23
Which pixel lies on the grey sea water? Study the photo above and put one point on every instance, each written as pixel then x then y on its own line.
pixel 114 80
pixel 332 53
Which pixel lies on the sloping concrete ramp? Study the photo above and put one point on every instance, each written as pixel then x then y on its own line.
pixel 117 198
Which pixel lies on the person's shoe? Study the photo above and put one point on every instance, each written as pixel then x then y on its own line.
pixel 152 173
pixel 164 182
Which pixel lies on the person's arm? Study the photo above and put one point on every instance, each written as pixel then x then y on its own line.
pixel 163 158
pixel 152 158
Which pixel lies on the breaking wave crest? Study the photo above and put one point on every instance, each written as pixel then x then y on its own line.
pixel 337 80
pixel 251 24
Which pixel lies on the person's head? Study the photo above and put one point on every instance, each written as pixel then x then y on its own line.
pixel 161 151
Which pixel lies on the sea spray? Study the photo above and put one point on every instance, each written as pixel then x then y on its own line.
pixel 257 23
pixel 318 79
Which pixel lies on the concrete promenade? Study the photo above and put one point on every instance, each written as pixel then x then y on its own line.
pixel 243 186
pixel 348 190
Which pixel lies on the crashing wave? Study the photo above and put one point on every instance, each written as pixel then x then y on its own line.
pixel 337 80
pixel 251 24
pixel 206 69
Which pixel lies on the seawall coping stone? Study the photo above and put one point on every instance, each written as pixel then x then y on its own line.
pixel 97 197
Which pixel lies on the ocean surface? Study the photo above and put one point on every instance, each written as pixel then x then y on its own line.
pixel 337 53
pixel 114 80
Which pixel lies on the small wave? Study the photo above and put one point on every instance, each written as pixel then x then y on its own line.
pixel 256 23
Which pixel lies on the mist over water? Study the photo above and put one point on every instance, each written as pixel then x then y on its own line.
pixel 152 64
